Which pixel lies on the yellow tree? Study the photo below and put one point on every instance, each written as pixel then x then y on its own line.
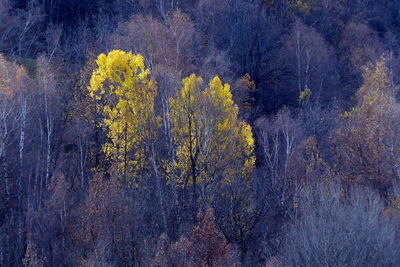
pixel 213 147
pixel 214 153
pixel 124 93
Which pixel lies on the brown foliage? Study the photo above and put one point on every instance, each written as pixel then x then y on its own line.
pixel 366 143
pixel 100 210
pixel 106 229
pixel 356 49
pixel 243 94
pixel 206 247
pixel 168 43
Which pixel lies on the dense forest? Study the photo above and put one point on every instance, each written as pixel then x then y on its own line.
pixel 199 133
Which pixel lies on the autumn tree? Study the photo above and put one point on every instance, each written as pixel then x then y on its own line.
pixel 214 154
pixel 207 246
pixel 168 43
pixel 53 218
pixel 355 50
pixel 122 87
pixel 214 148
pixel 366 143
pixel 125 93
pixel 106 223
pixel 244 96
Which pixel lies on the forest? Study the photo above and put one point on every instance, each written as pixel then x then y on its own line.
pixel 200 133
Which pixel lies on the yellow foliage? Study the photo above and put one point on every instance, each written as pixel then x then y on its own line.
pixel 125 95
pixel 213 145
pixel 303 6
pixel 305 95
pixel 396 202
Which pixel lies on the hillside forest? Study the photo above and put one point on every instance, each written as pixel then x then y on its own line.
pixel 199 133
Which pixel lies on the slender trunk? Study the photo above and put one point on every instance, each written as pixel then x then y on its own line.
pixel 7 188
pixel 126 154
pixel 162 12
pixel 161 197
pixel 171 153
pixel 39 165
pixel 4 175
pixel 82 160
pixel 193 167
pixel 49 129
pixel 96 136
pixel 298 56
pixel 20 186
pixel 307 69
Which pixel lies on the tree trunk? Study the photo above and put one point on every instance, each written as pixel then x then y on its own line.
pixel 161 197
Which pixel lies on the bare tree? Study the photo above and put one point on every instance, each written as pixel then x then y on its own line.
pixel 336 229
